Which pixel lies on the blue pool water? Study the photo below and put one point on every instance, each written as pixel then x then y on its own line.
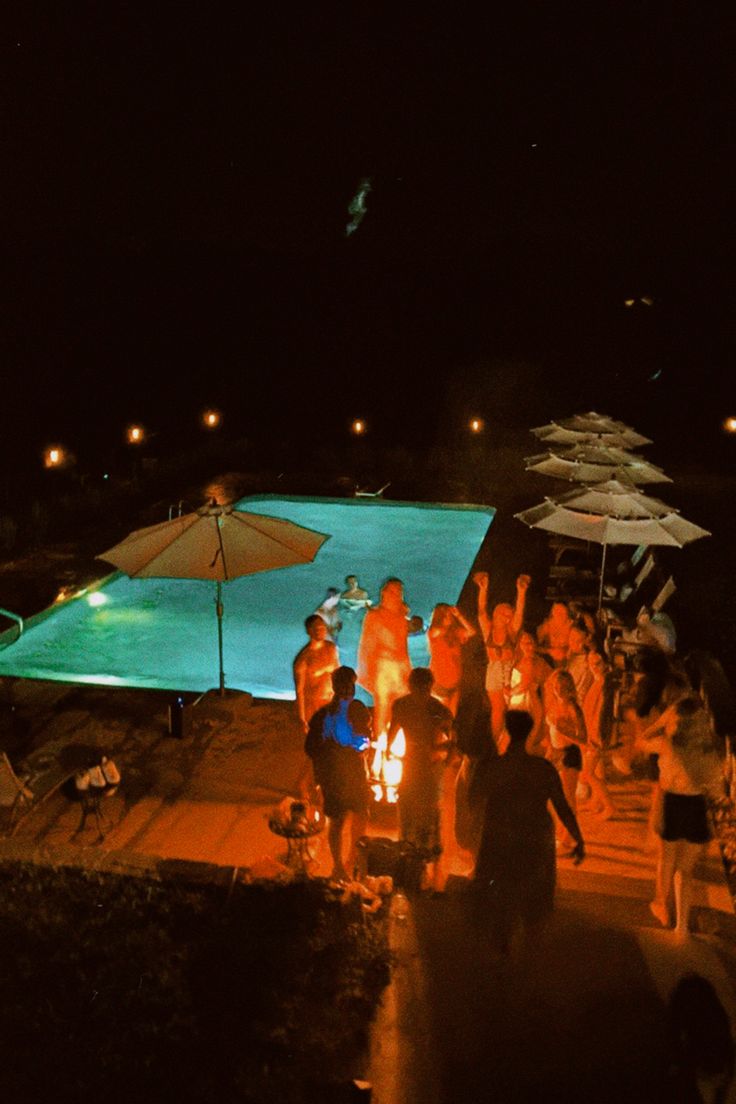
pixel 162 633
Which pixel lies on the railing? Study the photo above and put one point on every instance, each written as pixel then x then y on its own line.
pixel 13 617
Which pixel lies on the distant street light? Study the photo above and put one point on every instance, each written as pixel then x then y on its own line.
pixel 54 457
pixel 358 427
pixel 730 425
pixel 211 419
pixel 135 434
pixel 475 425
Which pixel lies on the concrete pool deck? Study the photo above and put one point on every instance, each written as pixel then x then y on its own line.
pixel 205 800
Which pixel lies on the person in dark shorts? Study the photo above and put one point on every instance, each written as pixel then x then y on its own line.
pixel 689 769
pixel 338 736
pixel 515 872
pixel 427 725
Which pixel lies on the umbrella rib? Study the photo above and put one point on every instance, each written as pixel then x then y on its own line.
pixel 284 544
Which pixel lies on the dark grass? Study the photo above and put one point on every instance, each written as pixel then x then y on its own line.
pixel 122 988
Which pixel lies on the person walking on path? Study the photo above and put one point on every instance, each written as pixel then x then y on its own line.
pixel 515 873
pixel 689 770
pixel 500 631
pixel 427 725
pixel 338 737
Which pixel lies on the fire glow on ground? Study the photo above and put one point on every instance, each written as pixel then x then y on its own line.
pixel 162 633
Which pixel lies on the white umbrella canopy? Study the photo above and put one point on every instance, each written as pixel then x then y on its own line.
pixel 594 464
pixel 557 435
pixel 616 498
pixel 571 430
pixel 666 528
pixel 216 543
pixel 670 529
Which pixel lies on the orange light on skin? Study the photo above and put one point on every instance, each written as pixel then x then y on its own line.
pixel 211 419
pixel 135 435
pixel 358 427
pixel 476 425
pixel 54 457
pixel 730 425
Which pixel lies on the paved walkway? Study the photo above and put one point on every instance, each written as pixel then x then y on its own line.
pixel 578 1016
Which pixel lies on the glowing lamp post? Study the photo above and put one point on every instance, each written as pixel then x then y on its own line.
pixel 358 427
pixel 730 425
pixel 54 457
pixel 211 419
pixel 475 425
pixel 135 435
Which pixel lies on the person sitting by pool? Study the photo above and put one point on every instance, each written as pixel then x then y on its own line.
pixel 329 613
pixel 383 651
pixel 355 597
pixel 339 735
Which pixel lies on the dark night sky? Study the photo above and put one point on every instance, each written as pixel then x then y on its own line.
pixel 175 193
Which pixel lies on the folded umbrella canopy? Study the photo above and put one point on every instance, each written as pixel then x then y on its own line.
pixel 217 543
pixel 617 515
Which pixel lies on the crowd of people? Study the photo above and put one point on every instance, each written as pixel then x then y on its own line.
pixel 499 755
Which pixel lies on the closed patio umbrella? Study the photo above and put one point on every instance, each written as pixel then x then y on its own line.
pixel 217 543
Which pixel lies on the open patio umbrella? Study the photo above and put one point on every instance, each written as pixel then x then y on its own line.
pixel 593 515
pixel 595 464
pixel 217 543
pixel 570 431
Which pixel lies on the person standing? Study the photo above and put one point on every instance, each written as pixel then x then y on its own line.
pixel 500 631
pixel 447 633
pixel 383 652
pixel 567 734
pixel 312 669
pixel 689 769
pixel 597 706
pixel 515 873
pixel 337 740
pixel 427 725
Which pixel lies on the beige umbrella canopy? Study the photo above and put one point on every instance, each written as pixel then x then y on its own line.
pixel 216 543
pixel 571 431
pixel 614 516
pixel 595 464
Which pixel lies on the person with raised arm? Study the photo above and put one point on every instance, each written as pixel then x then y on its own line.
pixel 500 631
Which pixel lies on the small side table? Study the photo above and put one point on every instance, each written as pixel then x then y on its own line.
pixel 297 835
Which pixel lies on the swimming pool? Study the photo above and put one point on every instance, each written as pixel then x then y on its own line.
pixel 162 633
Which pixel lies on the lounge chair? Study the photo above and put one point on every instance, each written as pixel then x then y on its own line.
pixel 15 795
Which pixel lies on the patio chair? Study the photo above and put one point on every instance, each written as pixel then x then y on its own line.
pixel 15 795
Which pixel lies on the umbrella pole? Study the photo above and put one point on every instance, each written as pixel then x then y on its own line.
pixel 603 568
pixel 218 607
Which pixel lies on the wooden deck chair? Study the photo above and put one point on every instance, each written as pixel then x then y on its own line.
pixel 14 793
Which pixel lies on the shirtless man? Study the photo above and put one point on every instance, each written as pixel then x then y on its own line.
pixel 313 667
pixel 354 597
pixel 383 652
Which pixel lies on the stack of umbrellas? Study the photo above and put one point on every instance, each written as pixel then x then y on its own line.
pixel 609 508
